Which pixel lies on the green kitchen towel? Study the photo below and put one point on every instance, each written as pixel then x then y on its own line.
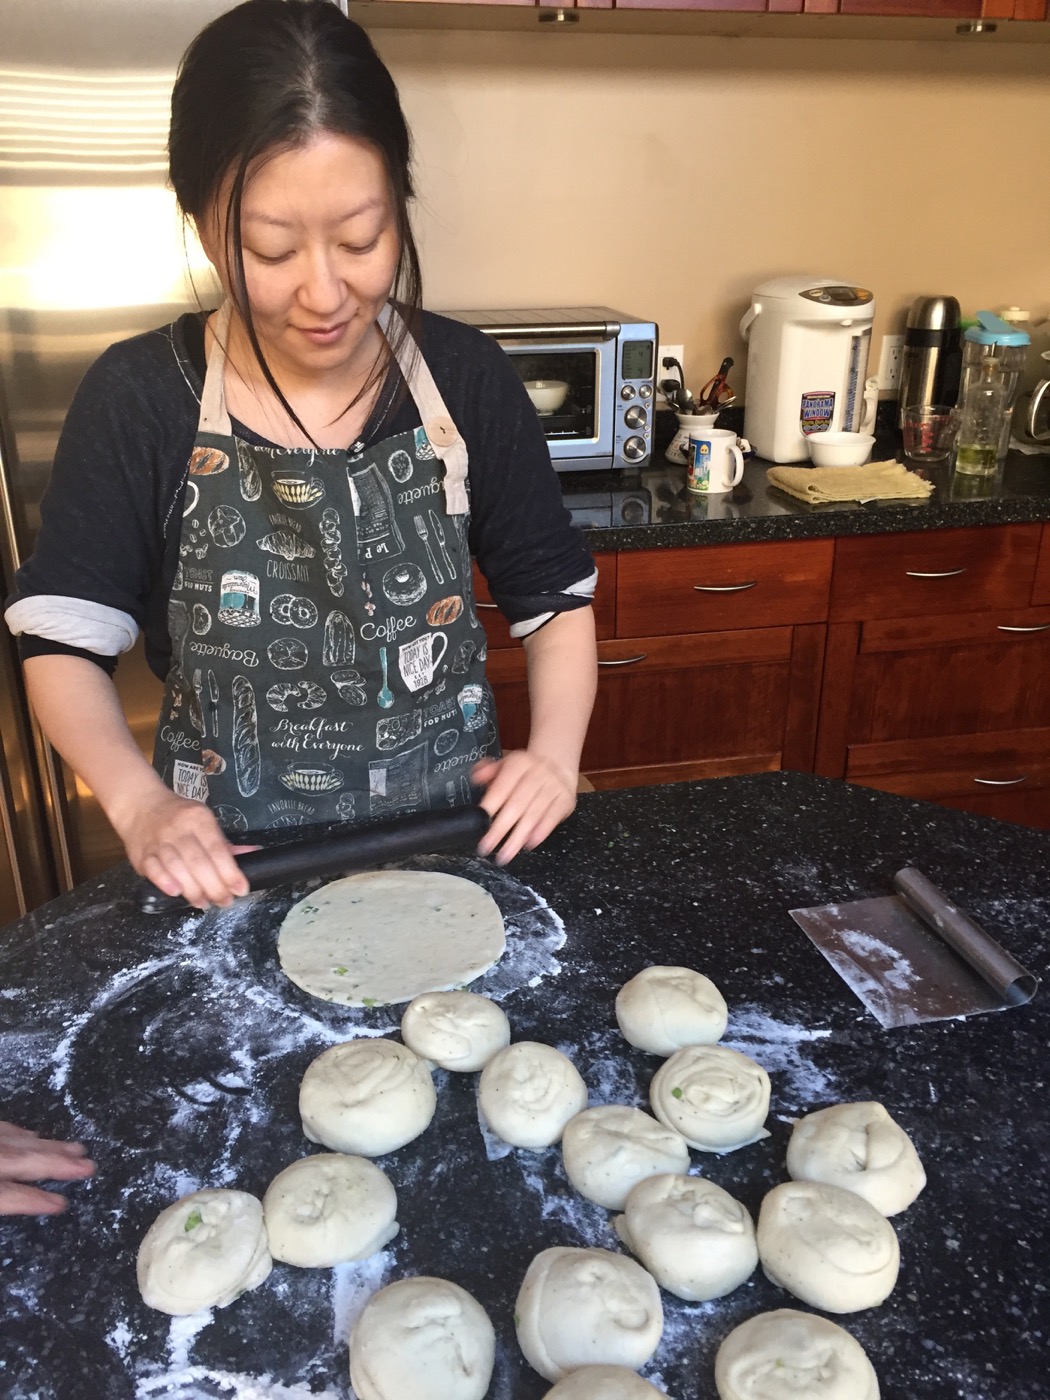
pixel 877 481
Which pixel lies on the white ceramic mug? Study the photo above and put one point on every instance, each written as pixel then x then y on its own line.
pixel 715 461
pixel 677 449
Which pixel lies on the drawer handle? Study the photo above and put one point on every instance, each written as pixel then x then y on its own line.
pixel 945 573
pixel 1001 782
pixel 485 605
pixel 723 587
pixel 1042 627
pixel 627 660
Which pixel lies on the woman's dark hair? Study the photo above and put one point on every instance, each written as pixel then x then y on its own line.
pixel 267 76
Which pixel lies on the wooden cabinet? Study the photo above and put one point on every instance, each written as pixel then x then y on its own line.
pixel 918 663
pixel 937 670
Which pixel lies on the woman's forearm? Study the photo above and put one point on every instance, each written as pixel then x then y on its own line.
pixel 562 663
pixel 80 713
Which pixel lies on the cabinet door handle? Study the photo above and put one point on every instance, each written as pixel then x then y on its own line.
pixel 945 573
pixel 1001 782
pixel 723 587
pixel 627 660
pixel 485 605
pixel 1042 627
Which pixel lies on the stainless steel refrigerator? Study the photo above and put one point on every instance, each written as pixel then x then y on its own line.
pixel 91 251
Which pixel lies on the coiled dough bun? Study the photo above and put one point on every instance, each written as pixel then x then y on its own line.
pixel 528 1092
pixel 715 1097
pixel 788 1355
pixel 329 1209
pixel 422 1339
pixel 203 1252
pixel 859 1147
pixel 608 1150
pixel 695 1239
pixel 827 1246
pixel 366 1096
pixel 456 1030
pixel 603 1383
pixel 664 1008
pixel 587 1307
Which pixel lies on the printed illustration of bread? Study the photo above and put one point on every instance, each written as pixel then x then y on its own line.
pixel 250 480
pixel 287 545
pixel 213 762
pixel 226 526
pixel 206 461
pixel 445 610
pixel 339 640
pixel 247 761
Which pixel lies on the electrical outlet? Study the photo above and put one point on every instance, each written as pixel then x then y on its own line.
pixel 668 352
pixel 890 361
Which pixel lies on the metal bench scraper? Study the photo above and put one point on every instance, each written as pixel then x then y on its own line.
pixel 915 956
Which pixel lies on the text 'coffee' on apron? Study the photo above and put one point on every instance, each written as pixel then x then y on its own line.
pixel 327 661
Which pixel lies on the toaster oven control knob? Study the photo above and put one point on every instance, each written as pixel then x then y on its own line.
pixel 627 392
pixel 636 416
pixel 634 449
pixel 646 391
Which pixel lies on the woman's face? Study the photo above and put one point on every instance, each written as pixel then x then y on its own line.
pixel 320 244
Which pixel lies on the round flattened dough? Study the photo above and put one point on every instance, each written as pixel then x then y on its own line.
pixel 390 935
pixel 827 1246
pixel 603 1383
pixel 663 1009
pixel 786 1355
pixel 859 1147
pixel 366 1096
pixel 329 1209
pixel 715 1097
pixel 203 1252
pixel 695 1239
pixel 422 1339
pixel 528 1092
pixel 456 1030
pixel 587 1307
pixel 608 1150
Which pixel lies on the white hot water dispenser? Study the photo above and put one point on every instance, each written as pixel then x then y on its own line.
pixel 808 342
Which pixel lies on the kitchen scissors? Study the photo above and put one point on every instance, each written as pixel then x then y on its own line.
pixel 716 391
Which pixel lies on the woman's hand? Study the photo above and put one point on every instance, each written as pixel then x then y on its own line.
pixel 180 846
pixel 26 1157
pixel 526 795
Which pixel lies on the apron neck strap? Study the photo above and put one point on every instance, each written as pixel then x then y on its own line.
pixel 441 431
pixel 214 418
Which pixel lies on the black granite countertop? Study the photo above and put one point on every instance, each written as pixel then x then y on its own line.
pixel 662 514
pixel 174 1047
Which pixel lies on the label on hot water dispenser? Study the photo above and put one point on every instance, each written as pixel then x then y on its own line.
pixel 815 411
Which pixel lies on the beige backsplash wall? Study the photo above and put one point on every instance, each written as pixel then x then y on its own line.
pixel 668 175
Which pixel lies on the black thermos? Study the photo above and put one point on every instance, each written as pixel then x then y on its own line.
pixel 932 359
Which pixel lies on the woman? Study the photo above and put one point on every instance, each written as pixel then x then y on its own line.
pixel 285 495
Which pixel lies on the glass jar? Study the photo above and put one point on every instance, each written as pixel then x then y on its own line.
pixel 994 356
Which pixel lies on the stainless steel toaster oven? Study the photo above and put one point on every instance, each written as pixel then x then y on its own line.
pixel 590 372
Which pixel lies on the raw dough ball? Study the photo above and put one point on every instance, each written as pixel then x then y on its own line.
pixel 693 1237
pixel 202 1252
pixel 603 1383
pixel 329 1209
pixel 586 1307
pixel 422 1339
pixel 528 1092
pixel 456 1030
pixel 859 1147
pixel 827 1246
pixel 663 1009
pixel 787 1355
pixel 608 1150
pixel 389 935
pixel 715 1097
pixel 366 1096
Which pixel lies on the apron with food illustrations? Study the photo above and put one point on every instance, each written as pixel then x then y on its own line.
pixel 327 662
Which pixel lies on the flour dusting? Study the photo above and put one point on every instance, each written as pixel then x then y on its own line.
pixel 778 1046
pixel 198 1383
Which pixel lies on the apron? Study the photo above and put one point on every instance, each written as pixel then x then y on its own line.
pixel 327 662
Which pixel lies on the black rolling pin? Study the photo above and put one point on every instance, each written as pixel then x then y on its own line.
pixel 359 848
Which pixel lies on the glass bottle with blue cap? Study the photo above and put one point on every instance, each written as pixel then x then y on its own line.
pixel 994 354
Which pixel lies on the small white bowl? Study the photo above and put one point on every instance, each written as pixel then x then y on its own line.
pixel 840 449
pixel 547 395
